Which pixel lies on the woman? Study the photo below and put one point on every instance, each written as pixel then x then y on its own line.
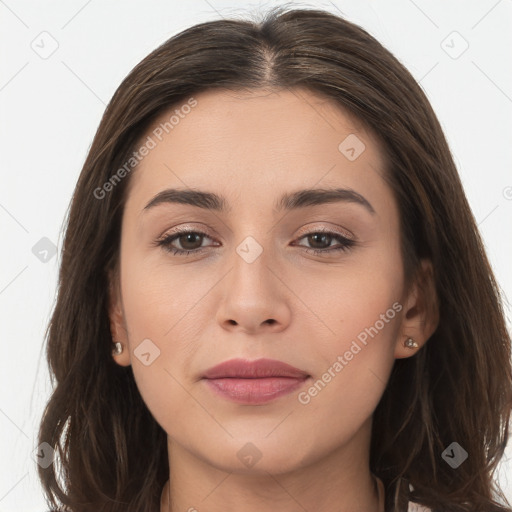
pixel 273 294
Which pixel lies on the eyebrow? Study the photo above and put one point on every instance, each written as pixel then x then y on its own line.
pixel 289 201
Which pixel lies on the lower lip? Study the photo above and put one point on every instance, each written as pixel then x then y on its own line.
pixel 254 391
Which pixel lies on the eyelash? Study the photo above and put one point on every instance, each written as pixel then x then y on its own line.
pixel 166 241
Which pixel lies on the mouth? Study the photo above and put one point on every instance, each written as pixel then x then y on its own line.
pixel 254 382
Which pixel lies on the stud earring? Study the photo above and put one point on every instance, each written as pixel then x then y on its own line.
pixel 117 348
pixel 410 343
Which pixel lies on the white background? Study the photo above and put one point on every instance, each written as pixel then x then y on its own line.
pixel 51 108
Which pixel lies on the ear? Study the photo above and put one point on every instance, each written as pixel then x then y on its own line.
pixel 118 328
pixel 421 311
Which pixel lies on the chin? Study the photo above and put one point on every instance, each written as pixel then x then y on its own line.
pixel 250 455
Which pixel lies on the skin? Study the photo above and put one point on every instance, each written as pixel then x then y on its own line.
pixel 203 309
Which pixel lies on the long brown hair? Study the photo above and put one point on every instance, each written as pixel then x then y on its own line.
pixel 111 455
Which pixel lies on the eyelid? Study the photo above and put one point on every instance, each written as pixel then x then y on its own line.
pixel 309 228
pixel 186 228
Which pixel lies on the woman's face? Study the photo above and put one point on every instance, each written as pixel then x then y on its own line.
pixel 252 287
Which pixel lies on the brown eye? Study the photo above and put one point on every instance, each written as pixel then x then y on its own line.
pixel 188 242
pixel 320 242
pixel 321 239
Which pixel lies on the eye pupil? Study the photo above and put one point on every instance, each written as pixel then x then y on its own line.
pixel 189 238
pixel 320 236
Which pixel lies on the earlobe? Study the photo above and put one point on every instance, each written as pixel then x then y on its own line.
pixel 421 313
pixel 118 332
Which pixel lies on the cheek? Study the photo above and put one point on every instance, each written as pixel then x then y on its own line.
pixel 159 298
pixel 351 299
pixel 360 311
pixel 353 363
pixel 360 325
pixel 163 319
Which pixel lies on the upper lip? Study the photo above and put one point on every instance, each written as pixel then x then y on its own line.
pixel 259 368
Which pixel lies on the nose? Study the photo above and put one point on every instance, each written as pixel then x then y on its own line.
pixel 254 297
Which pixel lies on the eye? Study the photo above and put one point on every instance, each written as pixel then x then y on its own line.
pixel 322 238
pixel 187 239
pixel 191 242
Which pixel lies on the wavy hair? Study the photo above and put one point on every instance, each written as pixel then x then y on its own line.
pixel 110 453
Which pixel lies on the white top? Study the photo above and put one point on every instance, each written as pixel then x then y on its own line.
pixel 411 507
pixel 414 507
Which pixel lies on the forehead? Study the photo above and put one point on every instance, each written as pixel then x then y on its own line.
pixel 241 143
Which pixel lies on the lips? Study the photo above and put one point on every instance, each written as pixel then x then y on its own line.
pixel 258 369
pixel 254 382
